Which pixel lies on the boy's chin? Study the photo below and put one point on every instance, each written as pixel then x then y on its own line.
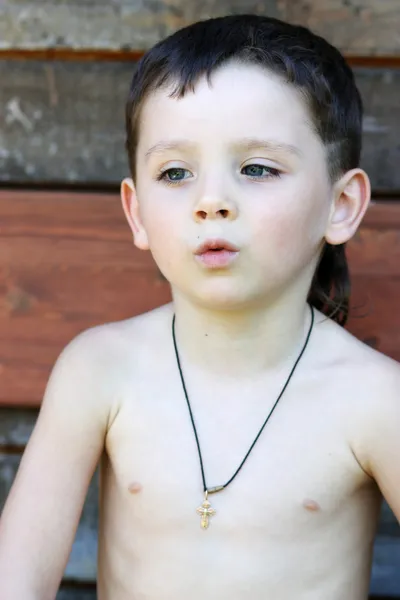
pixel 225 299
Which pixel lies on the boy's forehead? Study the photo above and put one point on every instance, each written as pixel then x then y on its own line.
pixel 238 101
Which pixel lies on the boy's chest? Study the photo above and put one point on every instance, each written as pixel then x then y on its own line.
pixel 299 473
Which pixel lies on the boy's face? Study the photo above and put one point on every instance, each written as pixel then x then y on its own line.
pixel 237 161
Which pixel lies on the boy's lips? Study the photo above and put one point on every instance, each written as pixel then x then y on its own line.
pixel 216 253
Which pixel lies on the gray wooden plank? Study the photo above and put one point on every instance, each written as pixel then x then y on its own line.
pixel 135 24
pixel 64 122
pixel 16 426
pixel 360 27
pixel 385 574
pixel 364 27
pixel 380 91
pixel 388 524
pixel 76 593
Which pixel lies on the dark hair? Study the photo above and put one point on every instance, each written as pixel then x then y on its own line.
pixel 305 60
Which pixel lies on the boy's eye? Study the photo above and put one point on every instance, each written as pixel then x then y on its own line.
pixel 174 175
pixel 260 171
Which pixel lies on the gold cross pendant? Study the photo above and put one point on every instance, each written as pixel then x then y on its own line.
pixel 206 512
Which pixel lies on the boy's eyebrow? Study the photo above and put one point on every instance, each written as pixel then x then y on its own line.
pixel 270 145
pixel 246 143
pixel 164 145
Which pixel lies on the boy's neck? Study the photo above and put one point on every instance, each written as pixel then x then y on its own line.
pixel 241 343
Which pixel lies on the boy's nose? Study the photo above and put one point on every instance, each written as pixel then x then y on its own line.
pixel 214 207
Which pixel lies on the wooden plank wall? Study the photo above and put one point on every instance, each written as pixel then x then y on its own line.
pixel 66 257
pixel 358 27
pixel 64 121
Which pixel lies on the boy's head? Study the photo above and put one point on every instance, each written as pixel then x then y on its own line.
pixel 201 105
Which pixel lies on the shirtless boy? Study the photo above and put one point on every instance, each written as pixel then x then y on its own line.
pixel 244 144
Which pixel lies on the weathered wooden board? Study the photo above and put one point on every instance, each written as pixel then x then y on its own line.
pixel 380 91
pixel 16 426
pixel 68 263
pixel 125 24
pixel 64 122
pixel 374 259
pixel 385 575
pixel 382 215
pixel 77 593
pixel 366 27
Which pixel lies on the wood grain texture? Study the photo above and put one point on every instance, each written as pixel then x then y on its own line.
pixel 374 259
pixel 120 24
pixel 68 263
pixel 64 122
pixel 363 27
pixel 380 91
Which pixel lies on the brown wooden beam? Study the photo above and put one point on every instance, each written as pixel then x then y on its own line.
pixel 68 263
pixel 110 55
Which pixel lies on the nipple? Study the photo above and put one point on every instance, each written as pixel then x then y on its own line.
pixel 311 505
pixel 135 487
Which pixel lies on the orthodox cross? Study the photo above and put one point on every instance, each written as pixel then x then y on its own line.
pixel 206 512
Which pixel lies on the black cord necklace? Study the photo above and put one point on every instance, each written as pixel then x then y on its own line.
pixel 205 509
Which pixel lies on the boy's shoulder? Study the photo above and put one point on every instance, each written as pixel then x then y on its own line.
pixel 363 370
pixel 354 354
pixel 335 348
pixel 107 340
pixel 94 368
pixel 366 383
pixel 109 351
pixel 363 381
pixel 134 342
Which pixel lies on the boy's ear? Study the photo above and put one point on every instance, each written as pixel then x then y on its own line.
pixel 131 209
pixel 352 194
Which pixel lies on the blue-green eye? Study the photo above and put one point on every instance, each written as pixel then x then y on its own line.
pixel 174 175
pixel 260 171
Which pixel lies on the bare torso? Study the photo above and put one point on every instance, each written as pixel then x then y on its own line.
pixel 299 519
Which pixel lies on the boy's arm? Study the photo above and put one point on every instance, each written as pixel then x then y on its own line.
pixel 41 514
pixel 380 449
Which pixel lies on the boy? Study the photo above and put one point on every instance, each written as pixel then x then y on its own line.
pixel 244 437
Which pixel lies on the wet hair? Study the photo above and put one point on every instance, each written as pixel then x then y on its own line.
pixel 306 61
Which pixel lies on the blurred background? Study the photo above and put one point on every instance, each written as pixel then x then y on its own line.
pixel 66 255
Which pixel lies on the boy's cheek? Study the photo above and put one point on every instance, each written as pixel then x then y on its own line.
pixel 164 236
pixel 291 236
